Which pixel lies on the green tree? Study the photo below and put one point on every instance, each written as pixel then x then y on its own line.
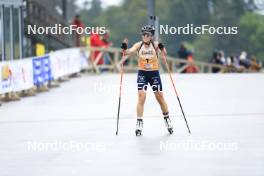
pixel 126 20
pixel 252 29
pixel 90 16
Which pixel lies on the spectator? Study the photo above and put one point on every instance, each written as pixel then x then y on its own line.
pixel 191 68
pixel 254 66
pixel 107 43
pixel 222 57
pixel 243 61
pixel 216 59
pixel 96 41
pixel 232 64
pixel 183 53
pixel 228 61
pixel 78 23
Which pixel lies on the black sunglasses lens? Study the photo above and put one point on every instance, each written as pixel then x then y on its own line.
pixel 147 35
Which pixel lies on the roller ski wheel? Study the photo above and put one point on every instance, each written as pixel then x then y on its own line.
pixel 139 127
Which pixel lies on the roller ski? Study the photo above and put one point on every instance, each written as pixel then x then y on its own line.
pixel 168 124
pixel 139 127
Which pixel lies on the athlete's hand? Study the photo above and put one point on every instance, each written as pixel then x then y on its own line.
pixel 162 49
pixel 124 46
pixel 161 46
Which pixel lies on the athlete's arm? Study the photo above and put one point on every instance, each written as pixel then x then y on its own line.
pixel 133 49
pixel 129 51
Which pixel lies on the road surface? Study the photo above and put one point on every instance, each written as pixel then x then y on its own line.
pixel 70 130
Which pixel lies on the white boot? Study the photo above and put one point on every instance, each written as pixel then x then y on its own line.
pixel 168 124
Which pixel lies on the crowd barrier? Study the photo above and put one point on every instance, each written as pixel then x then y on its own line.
pixel 24 74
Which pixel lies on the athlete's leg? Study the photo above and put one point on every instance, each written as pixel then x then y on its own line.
pixel 156 85
pixel 142 85
pixel 164 108
pixel 160 98
pixel 141 102
pixel 157 89
pixel 140 110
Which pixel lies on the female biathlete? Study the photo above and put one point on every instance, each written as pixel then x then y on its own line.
pixel 148 73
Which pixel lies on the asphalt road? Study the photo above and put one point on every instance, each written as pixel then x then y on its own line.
pixel 70 130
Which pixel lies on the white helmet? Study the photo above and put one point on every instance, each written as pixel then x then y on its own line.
pixel 148 29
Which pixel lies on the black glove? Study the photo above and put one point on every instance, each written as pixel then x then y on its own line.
pixel 161 46
pixel 124 46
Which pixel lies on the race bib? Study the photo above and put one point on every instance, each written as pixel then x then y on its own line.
pixel 148 66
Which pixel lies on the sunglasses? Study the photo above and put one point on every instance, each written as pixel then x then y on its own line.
pixel 147 35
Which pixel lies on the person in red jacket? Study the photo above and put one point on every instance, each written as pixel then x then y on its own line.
pixel 96 41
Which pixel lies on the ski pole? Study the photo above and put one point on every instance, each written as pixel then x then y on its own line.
pixel 167 66
pixel 120 92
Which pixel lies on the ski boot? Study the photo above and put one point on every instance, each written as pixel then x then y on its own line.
pixel 139 127
pixel 168 124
